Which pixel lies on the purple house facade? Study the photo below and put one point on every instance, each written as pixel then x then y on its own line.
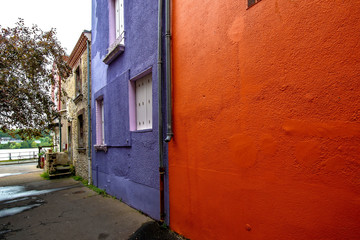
pixel 125 104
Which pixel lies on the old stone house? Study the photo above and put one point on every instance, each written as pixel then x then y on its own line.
pixel 77 106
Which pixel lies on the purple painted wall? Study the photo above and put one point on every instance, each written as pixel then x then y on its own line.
pixel 129 168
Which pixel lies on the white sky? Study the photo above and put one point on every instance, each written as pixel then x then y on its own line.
pixel 69 17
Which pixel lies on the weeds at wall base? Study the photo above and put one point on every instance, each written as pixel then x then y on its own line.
pixel 92 187
pixel 45 175
pixel 164 225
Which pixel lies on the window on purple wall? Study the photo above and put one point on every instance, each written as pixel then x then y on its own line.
pixel 143 101
pixel 117 22
pixel 100 136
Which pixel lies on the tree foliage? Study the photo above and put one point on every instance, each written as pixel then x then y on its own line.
pixel 27 57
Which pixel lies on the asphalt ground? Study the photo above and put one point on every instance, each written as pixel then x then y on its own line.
pixel 34 208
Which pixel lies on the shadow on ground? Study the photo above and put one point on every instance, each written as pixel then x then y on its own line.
pixel 154 231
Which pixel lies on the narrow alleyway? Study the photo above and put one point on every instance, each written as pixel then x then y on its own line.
pixel 34 208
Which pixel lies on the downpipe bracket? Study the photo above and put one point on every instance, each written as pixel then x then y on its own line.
pixel 168 137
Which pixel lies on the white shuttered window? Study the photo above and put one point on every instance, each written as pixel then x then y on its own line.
pixel 100 125
pixel 144 103
pixel 119 20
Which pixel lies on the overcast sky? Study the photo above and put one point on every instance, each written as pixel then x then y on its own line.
pixel 69 17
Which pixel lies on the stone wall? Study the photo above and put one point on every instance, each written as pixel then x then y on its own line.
pixel 76 106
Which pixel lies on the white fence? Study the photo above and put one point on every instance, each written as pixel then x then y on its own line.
pixel 18 154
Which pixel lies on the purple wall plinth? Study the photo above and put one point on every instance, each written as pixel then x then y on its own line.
pixel 136 195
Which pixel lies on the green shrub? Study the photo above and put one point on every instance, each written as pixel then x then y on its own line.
pixel 77 178
pixel 45 175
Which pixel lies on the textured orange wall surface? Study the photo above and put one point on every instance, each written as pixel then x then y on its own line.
pixel 266 119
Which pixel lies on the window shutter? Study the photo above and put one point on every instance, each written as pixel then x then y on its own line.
pixel 140 104
pixel 121 19
pixel 117 18
pixel 148 83
pixel 100 140
pixel 144 103
pixel 102 123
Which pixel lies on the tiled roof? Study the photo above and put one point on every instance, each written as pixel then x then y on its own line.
pixel 79 48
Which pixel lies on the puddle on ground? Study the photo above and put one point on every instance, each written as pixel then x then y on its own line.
pixel 12 192
pixel 15 210
pixel 8 174
pixel 16 199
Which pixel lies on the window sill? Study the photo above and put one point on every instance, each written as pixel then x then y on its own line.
pixel 103 148
pixel 78 98
pixel 114 51
pixel 142 130
pixel 81 150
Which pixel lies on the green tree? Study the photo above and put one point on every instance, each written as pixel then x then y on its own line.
pixel 34 145
pixel 26 76
pixel 15 145
pixel 2 134
pixel 24 144
pixel 5 146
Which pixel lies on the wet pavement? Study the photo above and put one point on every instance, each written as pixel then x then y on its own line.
pixel 16 199
pixel 34 208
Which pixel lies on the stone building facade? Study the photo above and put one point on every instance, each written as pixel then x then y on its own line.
pixel 77 114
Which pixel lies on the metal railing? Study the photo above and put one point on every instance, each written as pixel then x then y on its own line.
pixel 19 156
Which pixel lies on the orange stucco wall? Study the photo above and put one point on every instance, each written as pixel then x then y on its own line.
pixel 266 119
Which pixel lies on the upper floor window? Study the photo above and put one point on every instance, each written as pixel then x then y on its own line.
pixel 81 137
pixel 116 30
pixel 119 20
pixel 116 22
pixel 78 81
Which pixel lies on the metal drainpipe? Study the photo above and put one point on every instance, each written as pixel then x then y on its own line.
pixel 160 120
pixel 89 113
pixel 169 132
